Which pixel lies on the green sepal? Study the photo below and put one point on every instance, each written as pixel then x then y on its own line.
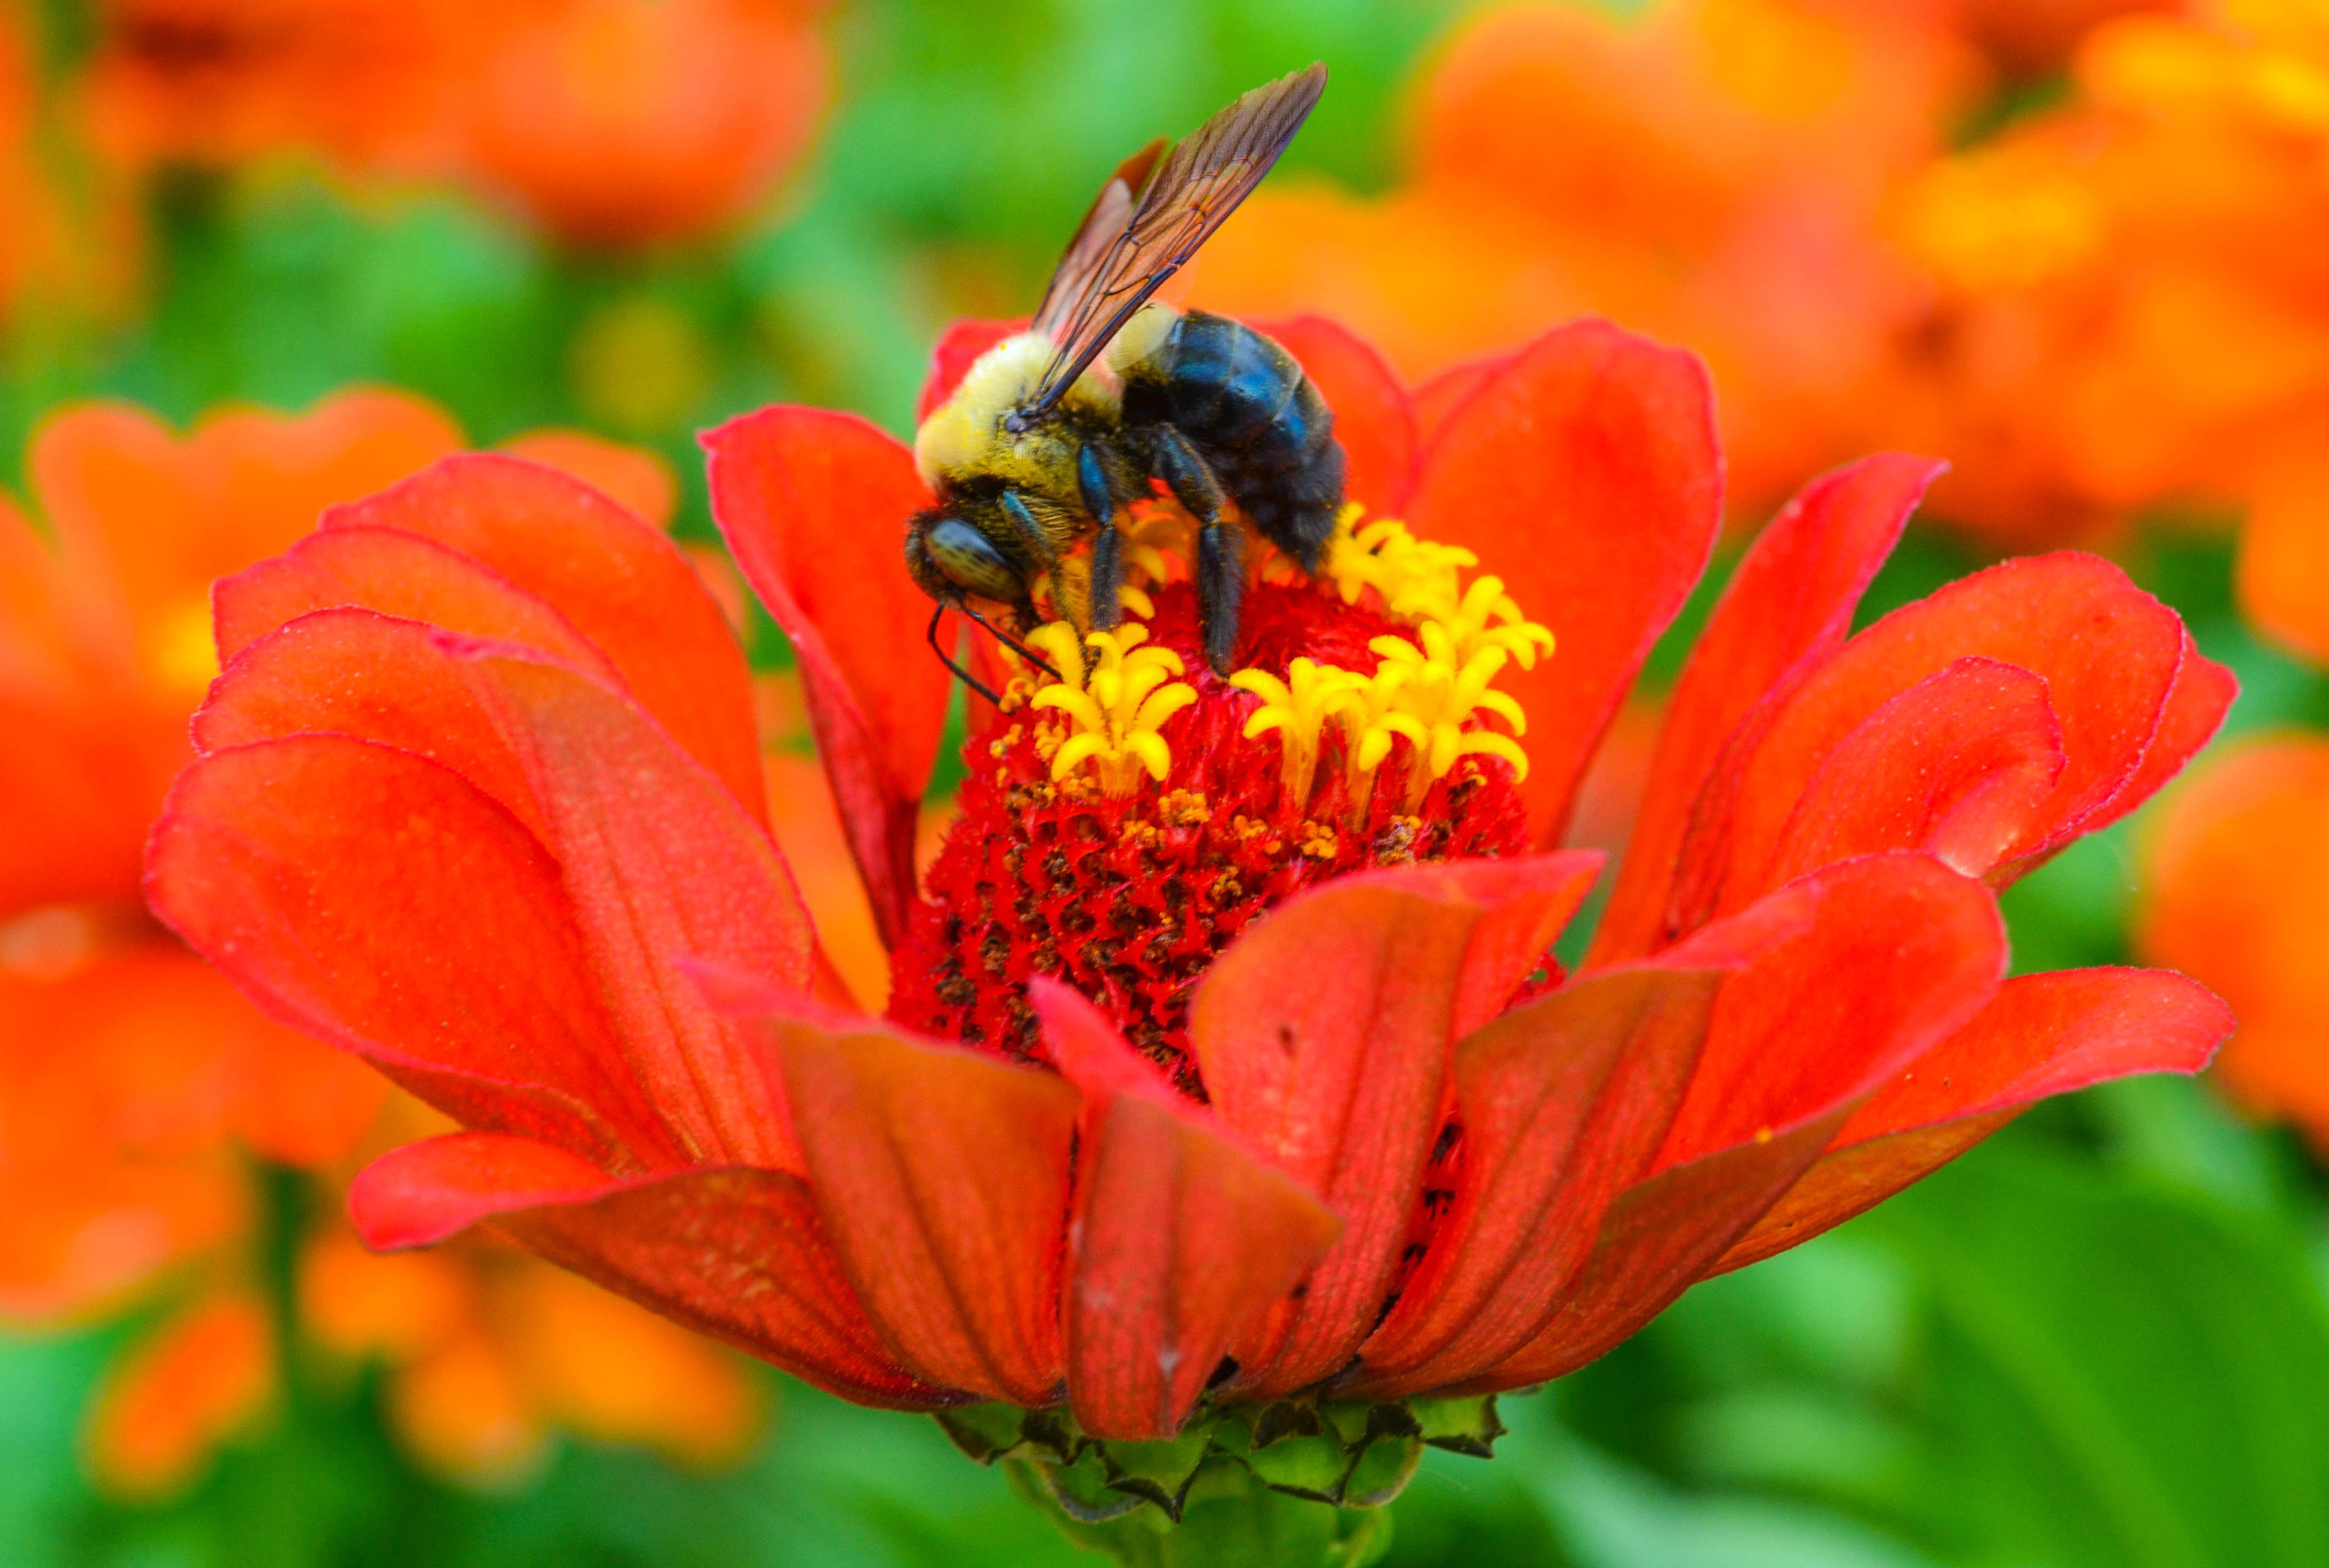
pixel 985 1431
pixel 1467 1426
pixel 1303 1467
pixel 1159 1473
pixel 1084 1490
pixel 1383 1472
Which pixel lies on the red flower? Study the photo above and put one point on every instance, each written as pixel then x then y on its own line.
pixel 477 798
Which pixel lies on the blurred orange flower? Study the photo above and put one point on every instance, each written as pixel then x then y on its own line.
pixel 133 1081
pixel 2133 299
pixel 2236 889
pixel 2237 873
pixel 609 123
pixel 1711 172
pixel 217 82
pixel 634 122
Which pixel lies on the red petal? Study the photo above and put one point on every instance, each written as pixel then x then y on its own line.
pixel 1372 417
pixel 2107 651
pixel 397 574
pixel 1444 393
pixel 815 505
pixel 1789 604
pixel 959 349
pixel 2040 1035
pixel 1562 1103
pixel 1181 1239
pixel 1341 1081
pixel 1585 427
pixel 424 1193
pixel 357 673
pixel 460 976
pixel 944 1176
pixel 1959 765
pixel 2194 709
pixel 1900 952
pixel 654 858
pixel 617 580
pixel 736 1254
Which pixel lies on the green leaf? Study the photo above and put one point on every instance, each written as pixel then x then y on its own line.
pixel 2126 1373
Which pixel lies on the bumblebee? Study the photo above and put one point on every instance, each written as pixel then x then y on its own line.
pixel 1052 433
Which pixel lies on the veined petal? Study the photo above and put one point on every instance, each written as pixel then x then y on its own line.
pixel 1586 425
pixel 399 574
pixel 617 580
pixel 1181 1236
pixel 2040 1035
pixel 738 1254
pixel 943 1174
pixel 268 862
pixel 653 859
pixel 813 505
pixel 1341 1082
pixel 2109 655
pixel 1562 1102
pixel 1959 764
pixel 1789 604
pixel 1899 953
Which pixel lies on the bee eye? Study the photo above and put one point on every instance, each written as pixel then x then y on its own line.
pixel 971 561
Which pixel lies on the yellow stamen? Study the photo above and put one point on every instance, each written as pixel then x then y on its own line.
pixel 1297 709
pixel 1396 564
pixel 1439 694
pixel 1114 707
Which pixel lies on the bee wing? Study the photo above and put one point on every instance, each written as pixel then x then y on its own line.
pixel 1080 267
pixel 1196 186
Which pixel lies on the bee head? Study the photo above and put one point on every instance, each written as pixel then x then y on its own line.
pixel 951 557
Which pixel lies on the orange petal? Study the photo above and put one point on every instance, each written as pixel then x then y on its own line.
pixel 813 506
pixel 2040 1035
pixel 617 580
pixel 1343 1085
pixel 1181 1239
pixel 1959 764
pixel 2234 873
pixel 641 480
pixel 167 1405
pixel 393 573
pixel 1789 603
pixel 1587 424
pixel 944 1176
pixel 1899 953
pixel 1563 1102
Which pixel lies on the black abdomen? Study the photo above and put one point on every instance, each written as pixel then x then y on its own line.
pixel 1246 407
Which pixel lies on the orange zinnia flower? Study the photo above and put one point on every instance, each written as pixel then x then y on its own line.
pixel 2236 891
pixel 1230 1094
pixel 218 82
pixel 638 122
pixel 132 1079
pixel 2130 304
pixel 1712 172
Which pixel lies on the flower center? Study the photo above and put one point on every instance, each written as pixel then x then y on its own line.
pixel 1122 823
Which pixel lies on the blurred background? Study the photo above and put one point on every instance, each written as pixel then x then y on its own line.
pixel 300 246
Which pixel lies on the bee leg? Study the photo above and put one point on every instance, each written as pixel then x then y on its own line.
pixel 1220 551
pixel 1108 546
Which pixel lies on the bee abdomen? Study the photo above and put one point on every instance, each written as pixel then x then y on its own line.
pixel 1245 403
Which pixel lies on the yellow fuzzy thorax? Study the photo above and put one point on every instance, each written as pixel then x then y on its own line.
pixel 965 434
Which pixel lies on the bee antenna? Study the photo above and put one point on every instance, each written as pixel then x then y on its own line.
pixel 961 674
pixel 1010 642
